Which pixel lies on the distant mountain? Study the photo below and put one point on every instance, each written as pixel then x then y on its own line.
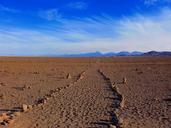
pixel 136 53
pixel 123 53
pixel 99 54
pixel 93 54
pixel 155 53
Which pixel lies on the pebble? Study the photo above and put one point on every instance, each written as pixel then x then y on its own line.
pixel 124 80
pixel 81 77
pixel 69 76
pixel 43 101
pixel 24 107
pixel 112 126
pixel 122 104
pixel 1 120
pixel 28 87
pixel 4 123
pixel 16 113
pixel 30 107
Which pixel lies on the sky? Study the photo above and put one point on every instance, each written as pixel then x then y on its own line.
pixel 56 27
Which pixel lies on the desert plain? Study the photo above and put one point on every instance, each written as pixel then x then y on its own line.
pixel 114 92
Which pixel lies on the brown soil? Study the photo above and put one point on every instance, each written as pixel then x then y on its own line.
pixel 133 92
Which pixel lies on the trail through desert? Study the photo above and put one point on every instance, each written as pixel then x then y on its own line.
pixel 86 103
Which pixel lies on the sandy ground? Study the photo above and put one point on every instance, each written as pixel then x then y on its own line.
pixel 147 92
pixel 86 92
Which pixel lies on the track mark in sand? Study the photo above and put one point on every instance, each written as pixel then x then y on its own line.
pixel 117 122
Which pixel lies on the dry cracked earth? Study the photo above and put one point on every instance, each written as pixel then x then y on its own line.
pixel 128 92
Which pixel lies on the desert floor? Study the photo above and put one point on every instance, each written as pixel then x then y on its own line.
pixel 121 92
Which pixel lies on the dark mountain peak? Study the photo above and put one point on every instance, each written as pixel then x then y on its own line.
pixel 155 53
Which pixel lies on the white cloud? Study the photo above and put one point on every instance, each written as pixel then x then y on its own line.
pixel 50 14
pixel 78 5
pixel 6 9
pixel 105 34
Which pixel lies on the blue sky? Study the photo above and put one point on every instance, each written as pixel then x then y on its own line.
pixel 54 27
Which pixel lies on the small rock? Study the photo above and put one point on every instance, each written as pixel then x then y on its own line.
pixel 24 107
pixel 43 101
pixel 117 111
pixel 28 87
pixel 124 80
pixel 81 77
pixel 53 95
pixel 113 85
pixel 156 99
pixel 16 113
pixel 115 88
pixel 34 105
pixel 35 72
pixel 39 105
pixel 1 121
pixel 112 126
pixel 69 76
pixel 47 98
pixel 4 123
pixel 122 104
pixel 30 107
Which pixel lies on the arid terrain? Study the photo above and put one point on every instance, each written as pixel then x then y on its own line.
pixel 115 92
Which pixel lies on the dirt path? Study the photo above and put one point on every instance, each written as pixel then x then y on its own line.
pixel 88 103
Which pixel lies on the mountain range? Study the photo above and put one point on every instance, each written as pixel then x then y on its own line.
pixel 123 53
pixel 154 53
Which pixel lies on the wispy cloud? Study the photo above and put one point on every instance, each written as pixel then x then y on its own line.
pixel 7 9
pixel 50 14
pixel 104 33
pixel 150 2
pixel 78 5
pixel 153 2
